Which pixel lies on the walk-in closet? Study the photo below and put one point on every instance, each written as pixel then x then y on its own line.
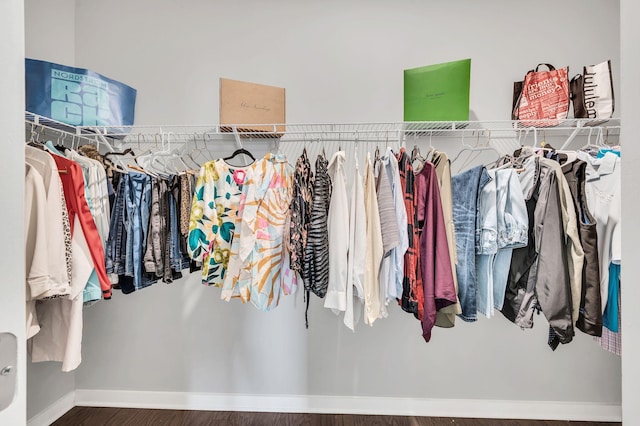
pixel 344 261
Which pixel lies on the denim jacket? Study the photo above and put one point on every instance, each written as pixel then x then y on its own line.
pixel 504 226
pixel 512 220
pixel 502 213
pixel 487 229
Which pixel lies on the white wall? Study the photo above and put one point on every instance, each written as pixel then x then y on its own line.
pixel 630 37
pixel 50 30
pixel 342 62
pixel 49 35
pixel 12 290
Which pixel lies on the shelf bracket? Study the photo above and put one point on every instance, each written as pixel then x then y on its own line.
pixel 237 136
pixel 570 139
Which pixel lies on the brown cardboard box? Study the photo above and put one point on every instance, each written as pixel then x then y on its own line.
pixel 250 103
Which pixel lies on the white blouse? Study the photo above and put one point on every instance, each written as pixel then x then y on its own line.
pixel 338 227
pixel 357 251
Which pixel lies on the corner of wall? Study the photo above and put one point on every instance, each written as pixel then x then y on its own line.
pixel 54 411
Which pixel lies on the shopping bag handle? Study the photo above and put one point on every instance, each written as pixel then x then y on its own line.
pixel 551 67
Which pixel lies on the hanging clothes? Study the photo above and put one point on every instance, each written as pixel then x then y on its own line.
pixel 395 216
pixel 374 249
pixel 539 275
pixel 466 187
pixel 116 241
pixel 513 229
pixel 338 234
pixel 157 230
pixel 487 249
pixel 96 191
pixel 36 265
pixel 178 260
pixel 213 217
pixel 54 280
pixel 300 212
pixel 91 151
pixel 97 197
pixel 145 243
pixel 611 316
pixel 590 302
pixel 506 229
pixel 446 316
pixel 60 319
pixel 357 251
pixel 316 258
pixel 575 253
pixel 73 186
pixel 390 232
pixel 186 199
pixel 611 340
pixel 604 201
pixel 137 212
pixel 412 300
pixel 437 276
pixel 259 265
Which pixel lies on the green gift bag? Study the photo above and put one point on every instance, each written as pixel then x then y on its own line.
pixel 437 92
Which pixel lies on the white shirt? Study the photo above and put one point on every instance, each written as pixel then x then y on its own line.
pixel 60 335
pixel 338 227
pixel 35 202
pixel 357 251
pixel 57 280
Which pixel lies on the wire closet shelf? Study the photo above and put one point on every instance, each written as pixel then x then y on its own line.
pixel 568 129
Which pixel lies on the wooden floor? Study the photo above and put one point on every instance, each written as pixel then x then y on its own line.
pixel 127 416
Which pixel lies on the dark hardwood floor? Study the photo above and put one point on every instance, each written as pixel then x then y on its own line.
pixel 90 416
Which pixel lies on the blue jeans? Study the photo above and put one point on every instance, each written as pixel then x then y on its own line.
pixel 465 189
pixel 494 269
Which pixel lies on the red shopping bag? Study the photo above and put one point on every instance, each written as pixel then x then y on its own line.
pixel 544 98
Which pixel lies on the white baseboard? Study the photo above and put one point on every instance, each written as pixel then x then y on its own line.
pixel 539 410
pixel 54 411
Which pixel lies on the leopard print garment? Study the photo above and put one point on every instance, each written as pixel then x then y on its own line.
pixel 66 227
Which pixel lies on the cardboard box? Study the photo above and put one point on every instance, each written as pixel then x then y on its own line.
pixel 250 103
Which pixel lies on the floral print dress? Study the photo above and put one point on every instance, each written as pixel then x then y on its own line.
pixel 214 215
